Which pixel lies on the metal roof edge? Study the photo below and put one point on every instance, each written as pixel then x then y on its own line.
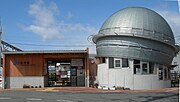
pixel 46 52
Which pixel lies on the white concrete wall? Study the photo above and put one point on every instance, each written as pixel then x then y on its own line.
pixel 149 82
pixel 103 74
pixel 18 82
pixel 120 77
pixel 124 77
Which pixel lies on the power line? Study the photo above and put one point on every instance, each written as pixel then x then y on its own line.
pixel 77 45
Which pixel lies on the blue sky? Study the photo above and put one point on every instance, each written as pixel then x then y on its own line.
pixel 66 24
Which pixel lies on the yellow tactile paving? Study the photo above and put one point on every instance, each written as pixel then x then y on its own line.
pixel 48 89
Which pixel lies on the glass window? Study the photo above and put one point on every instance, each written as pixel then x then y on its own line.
pixel 169 74
pixel 141 67
pixel 160 72
pixel 117 63
pixel 145 68
pixel 152 69
pixel 111 62
pixel 165 73
pixel 125 62
pixel 137 68
pixel 137 62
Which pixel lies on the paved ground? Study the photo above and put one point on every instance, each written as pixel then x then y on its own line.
pixel 85 89
pixel 66 94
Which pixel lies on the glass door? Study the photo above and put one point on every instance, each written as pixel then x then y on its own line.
pixel 73 76
pixel 63 74
pixel 51 73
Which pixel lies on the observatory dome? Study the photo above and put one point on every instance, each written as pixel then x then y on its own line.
pixel 137 33
pixel 137 20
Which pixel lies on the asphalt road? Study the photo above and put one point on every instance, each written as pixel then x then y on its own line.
pixel 31 96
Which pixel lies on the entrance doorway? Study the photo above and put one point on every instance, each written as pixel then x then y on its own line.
pixel 63 73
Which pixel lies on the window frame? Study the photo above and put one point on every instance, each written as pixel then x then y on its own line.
pixel 166 72
pixel 138 67
pixel 136 64
pixel 152 68
pixel 142 62
pixel 160 72
pixel 117 59
pixel 163 72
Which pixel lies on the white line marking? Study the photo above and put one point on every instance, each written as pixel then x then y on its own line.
pixel 64 101
pixel 34 99
pixel 5 98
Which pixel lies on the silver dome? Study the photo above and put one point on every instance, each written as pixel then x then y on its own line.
pixel 137 33
pixel 137 21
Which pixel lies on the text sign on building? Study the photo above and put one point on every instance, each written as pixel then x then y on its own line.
pixel 76 62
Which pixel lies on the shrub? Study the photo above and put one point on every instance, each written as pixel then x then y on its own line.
pixel 96 85
pixel 26 86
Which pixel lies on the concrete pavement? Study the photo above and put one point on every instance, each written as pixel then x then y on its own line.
pixel 76 95
pixel 88 89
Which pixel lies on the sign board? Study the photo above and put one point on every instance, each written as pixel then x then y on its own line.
pixel 76 62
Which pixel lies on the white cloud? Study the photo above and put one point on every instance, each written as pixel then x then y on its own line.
pixel 67 27
pixel 173 18
pixel 69 15
pixel 46 24
pixel 44 21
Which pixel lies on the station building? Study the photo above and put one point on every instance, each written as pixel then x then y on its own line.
pixel 135 48
pixel 46 68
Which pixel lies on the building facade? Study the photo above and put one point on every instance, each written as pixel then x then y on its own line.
pixel 175 72
pixel 176 62
pixel 135 47
pixel 46 68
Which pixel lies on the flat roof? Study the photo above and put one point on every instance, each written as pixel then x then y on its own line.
pixel 45 52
